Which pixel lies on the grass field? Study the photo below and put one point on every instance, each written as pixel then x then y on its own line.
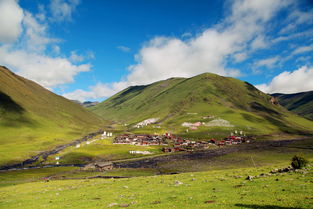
pixel 212 189
pixel 103 150
pixel 222 185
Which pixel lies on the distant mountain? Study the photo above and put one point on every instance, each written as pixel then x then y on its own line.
pixel 33 119
pixel 300 103
pixel 86 104
pixel 201 106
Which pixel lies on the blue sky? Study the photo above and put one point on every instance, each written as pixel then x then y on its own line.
pixel 89 50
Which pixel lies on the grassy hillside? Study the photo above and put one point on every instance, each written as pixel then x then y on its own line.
pixel 33 119
pixel 202 98
pixel 300 103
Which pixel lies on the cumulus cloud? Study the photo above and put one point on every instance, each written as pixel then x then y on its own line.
pixel 290 82
pixel 48 71
pixel 99 91
pixel 11 16
pixel 62 10
pixel 164 57
pixel 36 37
pixel 27 55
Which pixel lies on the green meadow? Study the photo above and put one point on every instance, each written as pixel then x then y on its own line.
pixel 211 189
pixel 219 182
pixel 101 149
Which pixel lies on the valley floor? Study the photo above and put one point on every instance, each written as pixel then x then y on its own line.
pixel 205 181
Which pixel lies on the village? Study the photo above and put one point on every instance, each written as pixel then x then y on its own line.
pixel 174 143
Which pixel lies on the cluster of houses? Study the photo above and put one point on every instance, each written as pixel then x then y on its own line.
pixel 189 145
pixel 103 135
pixel 106 134
pixel 140 139
pixel 174 143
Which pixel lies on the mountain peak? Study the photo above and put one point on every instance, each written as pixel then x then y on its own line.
pixel 189 100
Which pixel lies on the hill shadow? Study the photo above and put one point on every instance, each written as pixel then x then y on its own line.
pixel 9 105
pixel 302 101
pixel 254 206
pixel 259 107
pixel 250 86
pixel 12 113
pixel 130 92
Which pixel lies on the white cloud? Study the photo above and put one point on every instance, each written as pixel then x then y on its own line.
pixel 28 55
pixel 76 57
pixel 302 34
pixel 164 57
pixel 123 48
pixel 290 82
pixel 100 90
pixel 297 17
pixel 62 10
pixel 48 71
pixel 90 55
pixel 42 13
pixel 303 49
pixel 186 35
pixel 239 57
pixel 269 62
pixel 36 37
pixel 11 16
pixel 259 43
pixel 56 49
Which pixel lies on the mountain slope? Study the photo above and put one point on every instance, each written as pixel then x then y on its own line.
pixel 221 104
pixel 300 103
pixel 33 119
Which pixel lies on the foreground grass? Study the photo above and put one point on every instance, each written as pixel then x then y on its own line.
pixel 217 188
pixel 212 189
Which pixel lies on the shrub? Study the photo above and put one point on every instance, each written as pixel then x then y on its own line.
pixel 298 162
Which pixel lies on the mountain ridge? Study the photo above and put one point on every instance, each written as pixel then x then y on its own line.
pixel 227 98
pixel 34 119
pixel 300 103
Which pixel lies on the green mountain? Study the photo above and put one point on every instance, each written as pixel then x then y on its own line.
pixel 221 104
pixel 300 103
pixel 33 119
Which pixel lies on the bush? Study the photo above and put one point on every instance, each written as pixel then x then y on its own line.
pixel 298 162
